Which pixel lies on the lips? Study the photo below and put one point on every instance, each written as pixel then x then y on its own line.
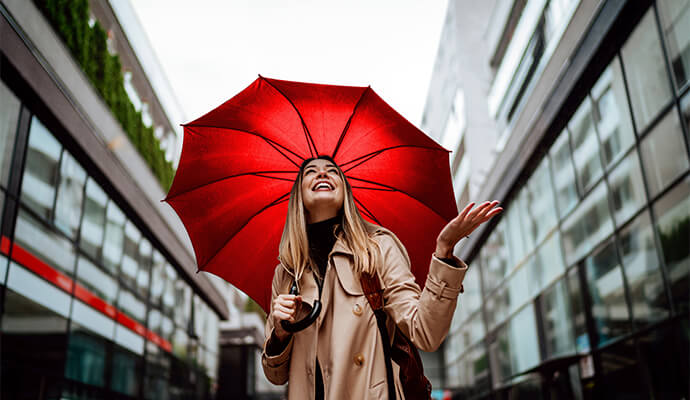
pixel 322 186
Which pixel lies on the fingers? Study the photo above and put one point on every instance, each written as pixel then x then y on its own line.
pixel 285 307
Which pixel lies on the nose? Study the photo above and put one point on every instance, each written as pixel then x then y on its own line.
pixel 321 173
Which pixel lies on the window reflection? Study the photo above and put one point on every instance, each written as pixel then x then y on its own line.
pixel 497 307
pixel 158 278
pixel 538 202
pixel 577 305
pixel 585 146
pixel 524 348
pixel 9 116
pixel 131 305
pixel 41 170
pixel 612 114
pixel 645 70
pixel 96 280
pixel 54 249
pixel 641 265
pixel 86 359
pixel 675 20
pixel 494 257
pixel 563 174
pixel 518 288
pixel 515 233
pixel 125 376
pixel 70 195
pixel 587 225
pixel 130 254
pixel 145 262
pixel 605 281
pixel 557 320
pixel 673 226
pixel 93 224
pixel 663 153
pixel 114 237
pixel 546 264
pixel 627 188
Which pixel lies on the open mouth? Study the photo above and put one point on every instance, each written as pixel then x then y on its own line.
pixel 322 186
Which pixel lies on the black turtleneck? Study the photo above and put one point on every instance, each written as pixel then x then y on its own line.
pixel 321 238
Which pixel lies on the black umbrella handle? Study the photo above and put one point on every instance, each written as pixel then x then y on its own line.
pixel 308 320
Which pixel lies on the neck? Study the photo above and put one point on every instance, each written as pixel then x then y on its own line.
pixel 320 215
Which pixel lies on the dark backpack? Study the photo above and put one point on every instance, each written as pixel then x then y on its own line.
pixel 402 351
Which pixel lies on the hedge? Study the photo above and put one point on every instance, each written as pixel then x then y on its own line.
pixel 89 47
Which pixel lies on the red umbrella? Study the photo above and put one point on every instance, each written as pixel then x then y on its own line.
pixel 239 161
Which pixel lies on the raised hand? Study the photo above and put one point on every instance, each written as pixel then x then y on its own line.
pixel 464 224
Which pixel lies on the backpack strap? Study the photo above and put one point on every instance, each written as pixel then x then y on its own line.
pixel 371 286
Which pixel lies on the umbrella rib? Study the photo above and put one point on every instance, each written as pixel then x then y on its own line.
pixel 275 202
pixel 369 213
pixel 269 141
pixel 371 188
pixel 310 140
pixel 373 154
pixel 256 173
pixel 349 120
pixel 400 191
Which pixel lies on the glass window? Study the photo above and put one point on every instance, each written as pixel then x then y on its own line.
pixel 585 146
pixel 515 233
pixel 9 116
pixel 627 188
pixel 538 202
pixel 180 342
pixel 86 359
pixel 500 350
pixel 70 195
pixel 612 113
pixel 563 174
pixel 39 240
pixel 497 307
pixel 126 373
pixel 557 320
pixel 183 302
pixel 129 340
pixel 518 288
pixel 93 223
pixel 158 278
pixel 96 280
pixel 579 318
pixel 113 242
pixel 41 170
pixel 546 264
pixel 685 107
pixel 130 255
pixel 85 318
pixel 673 225
pixel 588 225
pixel 641 266
pixel 663 153
pixel 145 262
pixel 675 19
pixel 494 257
pixel 605 280
pixel 155 321
pixel 132 306
pixel 169 294
pixel 645 69
pixel 524 347
pixel 620 371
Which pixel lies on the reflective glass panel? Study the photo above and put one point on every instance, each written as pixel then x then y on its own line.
pixel 169 291
pixel 9 116
pixel 86 359
pixel 497 307
pixel 663 153
pixel 563 174
pixel 524 346
pixel 673 226
pixel 41 241
pixel 179 343
pixel 158 278
pixel 96 280
pixel 500 350
pixel 612 114
pixel 557 320
pixel 41 170
pixel 93 223
pixel 627 188
pixel 585 144
pixel 70 195
pixel 494 257
pixel 132 306
pixel 605 280
pixel 588 225
pixel 645 70
pixel 130 256
pixel 577 305
pixel 546 264
pixel 661 356
pixel 538 202
pixel 126 370
pixel 675 20
pixel 183 302
pixel 113 242
pixel 621 373
pixel 518 288
pixel 641 265
pixel 515 233
pixel 145 262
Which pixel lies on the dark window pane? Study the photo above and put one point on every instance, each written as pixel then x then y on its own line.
pixel 641 265
pixel 605 280
pixel 9 115
pixel 70 195
pixel 563 174
pixel 126 373
pixel 588 225
pixel 621 376
pixel 673 224
pixel 86 358
pixel 663 153
pixel 93 224
pixel 612 114
pixel 579 318
pixel 557 320
pixel 645 69
pixel 41 170
pixel 675 19
pixel 585 146
pixel 627 188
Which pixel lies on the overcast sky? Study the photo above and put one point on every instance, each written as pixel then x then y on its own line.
pixel 212 49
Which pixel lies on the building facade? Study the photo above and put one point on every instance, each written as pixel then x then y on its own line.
pixel 99 293
pixel 576 117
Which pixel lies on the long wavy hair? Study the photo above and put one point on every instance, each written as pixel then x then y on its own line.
pixel 294 244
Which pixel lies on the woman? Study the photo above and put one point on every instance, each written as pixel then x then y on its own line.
pixel 325 246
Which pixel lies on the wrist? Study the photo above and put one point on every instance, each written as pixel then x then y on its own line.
pixel 443 251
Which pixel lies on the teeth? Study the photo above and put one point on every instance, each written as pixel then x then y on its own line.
pixel 323 185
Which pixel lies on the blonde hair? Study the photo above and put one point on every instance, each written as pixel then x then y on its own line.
pixel 294 244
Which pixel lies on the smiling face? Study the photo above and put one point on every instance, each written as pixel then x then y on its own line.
pixel 323 190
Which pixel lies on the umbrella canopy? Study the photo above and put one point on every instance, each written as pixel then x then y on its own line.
pixel 240 160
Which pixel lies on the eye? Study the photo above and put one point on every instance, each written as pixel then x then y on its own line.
pixel 309 171
pixel 333 170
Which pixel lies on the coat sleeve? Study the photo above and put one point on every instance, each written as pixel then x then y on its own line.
pixel 424 316
pixel 276 367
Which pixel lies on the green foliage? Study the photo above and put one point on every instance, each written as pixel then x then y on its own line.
pixel 674 241
pixel 252 306
pixel 89 47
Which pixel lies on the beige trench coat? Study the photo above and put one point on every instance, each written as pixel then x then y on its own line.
pixel 345 337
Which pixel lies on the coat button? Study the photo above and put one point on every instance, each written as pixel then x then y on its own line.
pixel 359 360
pixel 357 310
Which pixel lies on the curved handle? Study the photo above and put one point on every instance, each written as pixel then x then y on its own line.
pixel 297 326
